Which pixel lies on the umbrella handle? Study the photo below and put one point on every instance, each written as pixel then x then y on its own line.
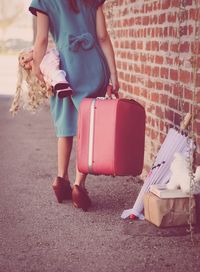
pixel 186 121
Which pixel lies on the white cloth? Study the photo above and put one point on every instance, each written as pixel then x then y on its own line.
pixel 50 68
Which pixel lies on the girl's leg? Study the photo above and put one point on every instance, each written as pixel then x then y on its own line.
pixel 80 197
pixel 61 185
pixel 64 152
pixel 80 179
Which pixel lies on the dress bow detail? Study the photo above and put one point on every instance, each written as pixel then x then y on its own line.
pixel 85 41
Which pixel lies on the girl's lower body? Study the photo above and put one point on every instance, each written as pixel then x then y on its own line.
pixel 65 115
pixel 61 184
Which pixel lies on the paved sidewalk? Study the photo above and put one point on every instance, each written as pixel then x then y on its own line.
pixel 39 235
pixel 8 74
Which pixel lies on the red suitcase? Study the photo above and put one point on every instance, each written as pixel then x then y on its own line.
pixel 110 137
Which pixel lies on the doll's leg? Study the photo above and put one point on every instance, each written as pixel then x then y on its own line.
pixel 55 76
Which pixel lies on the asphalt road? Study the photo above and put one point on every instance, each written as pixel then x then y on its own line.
pixel 39 235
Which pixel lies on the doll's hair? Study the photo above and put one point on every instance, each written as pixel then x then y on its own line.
pixel 30 92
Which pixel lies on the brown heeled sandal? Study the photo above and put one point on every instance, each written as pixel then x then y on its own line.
pixel 62 189
pixel 80 198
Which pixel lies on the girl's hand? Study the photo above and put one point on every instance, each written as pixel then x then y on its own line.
pixel 114 89
pixel 37 73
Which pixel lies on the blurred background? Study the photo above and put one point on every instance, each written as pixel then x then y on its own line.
pixel 16 33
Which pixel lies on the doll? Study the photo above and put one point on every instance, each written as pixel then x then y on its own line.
pixel 31 92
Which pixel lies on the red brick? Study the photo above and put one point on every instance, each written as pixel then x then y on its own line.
pixel 155 45
pixel 169 60
pixel 136 57
pixel 155 71
pixel 137 68
pixel 169 114
pixel 162 137
pixel 168 88
pixel 183 30
pixel 121 75
pixel 140 45
pixel 173 74
pixel 136 91
pixel 195 48
pixel 187 3
pixel 143 57
pixel 184 16
pixel 185 76
pixel 130 88
pixel 178 90
pixel 159 85
pixel 164 46
pixel 159 112
pixel 154 134
pixel 162 18
pixel 138 20
pixel 153 20
pixel 158 59
pixel 162 125
pixel 148 45
pixel 148 7
pixel 197 128
pixel 133 45
pixel 164 99
pixel 172 17
pixel 127 44
pixel 198 80
pixel 190 29
pixel 187 94
pixel 124 66
pixel 193 14
pixel 164 72
pixel 177 119
pixel 186 107
pixel 198 96
pixel 166 4
pixel 174 47
pixel 173 103
pixel 145 20
pixel 127 77
pixel 154 97
pixel 165 32
pixel 148 70
pixel 143 93
pixel 172 32
pixel 133 78
pixel 197 160
pixel 175 3
pixel 150 84
pixel 185 47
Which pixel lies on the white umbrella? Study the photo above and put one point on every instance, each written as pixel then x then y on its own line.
pixel 160 172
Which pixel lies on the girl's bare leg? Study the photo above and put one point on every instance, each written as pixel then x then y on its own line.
pixel 80 178
pixel 64 152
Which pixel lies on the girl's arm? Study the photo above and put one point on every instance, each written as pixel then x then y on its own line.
pixel 41 43
pixel 107 48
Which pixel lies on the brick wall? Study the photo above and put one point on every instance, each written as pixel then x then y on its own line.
pixel 154 43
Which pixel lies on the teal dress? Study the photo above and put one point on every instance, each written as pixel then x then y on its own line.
pixel 80 57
